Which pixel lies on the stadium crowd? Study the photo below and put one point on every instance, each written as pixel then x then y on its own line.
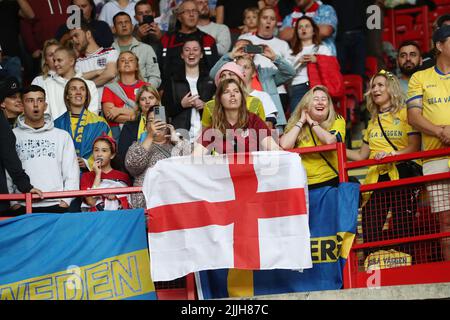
pixel 83 82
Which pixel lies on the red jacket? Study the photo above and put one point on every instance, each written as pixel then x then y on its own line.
pixel 327 73
pixel 49 15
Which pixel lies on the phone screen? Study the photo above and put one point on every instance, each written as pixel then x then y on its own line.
pixel 250 48
pixel 148 19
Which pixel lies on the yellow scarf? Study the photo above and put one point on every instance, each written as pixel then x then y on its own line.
pixel 142 129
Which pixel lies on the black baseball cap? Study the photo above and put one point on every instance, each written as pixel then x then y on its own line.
pixel 441 34
pixel 9 86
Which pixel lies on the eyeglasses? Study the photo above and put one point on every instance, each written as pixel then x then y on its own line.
pixel 194 11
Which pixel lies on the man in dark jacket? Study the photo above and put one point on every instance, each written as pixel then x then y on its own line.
pixel 9 159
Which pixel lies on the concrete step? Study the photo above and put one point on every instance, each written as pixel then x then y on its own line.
pixel 405 292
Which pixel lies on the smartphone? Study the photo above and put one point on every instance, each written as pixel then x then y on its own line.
pixel 148 19
pixel 160 113
pixel 250 48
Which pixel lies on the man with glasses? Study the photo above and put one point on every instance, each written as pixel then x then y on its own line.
pixel 172 42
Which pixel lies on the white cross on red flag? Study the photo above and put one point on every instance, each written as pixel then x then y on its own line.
pixel 237 211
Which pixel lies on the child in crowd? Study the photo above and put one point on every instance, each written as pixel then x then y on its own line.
pixel 250 20
pixel 104 176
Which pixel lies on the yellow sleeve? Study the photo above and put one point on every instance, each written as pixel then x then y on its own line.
pixel 415 88
pixel 406 126
pixel 339 128
pixel 207 114
pixel 255 105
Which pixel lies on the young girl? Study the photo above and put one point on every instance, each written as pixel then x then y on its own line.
pixel 250 20
pixel 104 176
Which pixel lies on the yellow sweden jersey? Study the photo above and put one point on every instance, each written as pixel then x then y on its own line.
pixel 317 169
pixel 254 105
pixel 433 87
pixel 396 128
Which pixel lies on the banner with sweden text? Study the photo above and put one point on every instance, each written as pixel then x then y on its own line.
pixel 75 256
pixel 332 222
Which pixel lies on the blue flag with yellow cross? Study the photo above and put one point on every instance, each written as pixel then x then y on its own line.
pixel 333 216
pixel 75 256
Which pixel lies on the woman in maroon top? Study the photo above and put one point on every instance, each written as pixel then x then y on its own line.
pixel 234 129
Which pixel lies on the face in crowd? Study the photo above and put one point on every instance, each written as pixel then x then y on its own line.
pixel 320 107
pixel 127 63
pixel 63 62
pixel 147 101
pixel 13 105
pixel 267 21
pixel 123 26
pixel 409 59
pixel 192 53
pixel 34 106
pixel 77 93
pixel 305 30
pixel 379 92
pixel 231 98
pixel 188 14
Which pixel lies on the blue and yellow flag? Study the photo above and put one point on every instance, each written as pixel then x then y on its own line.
pixel 332 221
pixel 75 256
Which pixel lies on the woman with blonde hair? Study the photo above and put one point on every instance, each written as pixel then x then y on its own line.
pixel 388 133
pixel 146 98
pixel 118 100
pixel 47 64
pixel 234 129
pixel 314 123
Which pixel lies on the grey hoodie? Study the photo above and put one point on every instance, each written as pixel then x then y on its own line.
pixel 48 157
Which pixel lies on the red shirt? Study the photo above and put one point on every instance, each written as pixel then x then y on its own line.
pixel 236 140
pixel 130 91
pixel 87 179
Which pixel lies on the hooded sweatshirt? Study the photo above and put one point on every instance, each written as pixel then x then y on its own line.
pixel 48 157
pixel 54 93
pixel 49 15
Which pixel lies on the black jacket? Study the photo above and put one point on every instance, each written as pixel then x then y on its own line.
pixel 11 162
pixel 175 88
pixel 128 135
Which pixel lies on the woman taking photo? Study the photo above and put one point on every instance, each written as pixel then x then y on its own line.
pixel 314 123
pixel 388 133
pixel 234 129
pixel 306 44
pixel 159 142
pixel 136 130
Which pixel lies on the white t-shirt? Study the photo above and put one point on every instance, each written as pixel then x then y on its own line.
pixel 302 74
pixel 269 107
pixel 96 61
pixel 280 47
pixel 111 8
pixel 196 123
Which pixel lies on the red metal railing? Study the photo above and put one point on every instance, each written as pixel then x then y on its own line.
pixel 426 272
pixel 399 240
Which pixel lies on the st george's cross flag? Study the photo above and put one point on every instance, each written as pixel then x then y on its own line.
pixel 229 211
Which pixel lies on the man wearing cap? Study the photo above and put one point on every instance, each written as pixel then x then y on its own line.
pixel 428 111
pixel 428 59
pixel 10 100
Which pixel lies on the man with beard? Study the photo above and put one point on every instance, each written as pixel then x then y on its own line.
pixel 408 60
pixel 220 32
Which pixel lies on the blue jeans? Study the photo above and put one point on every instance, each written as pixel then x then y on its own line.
pixel 116 133
pixel 297 93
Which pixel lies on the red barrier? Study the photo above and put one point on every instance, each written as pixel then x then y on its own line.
pixel 420 237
